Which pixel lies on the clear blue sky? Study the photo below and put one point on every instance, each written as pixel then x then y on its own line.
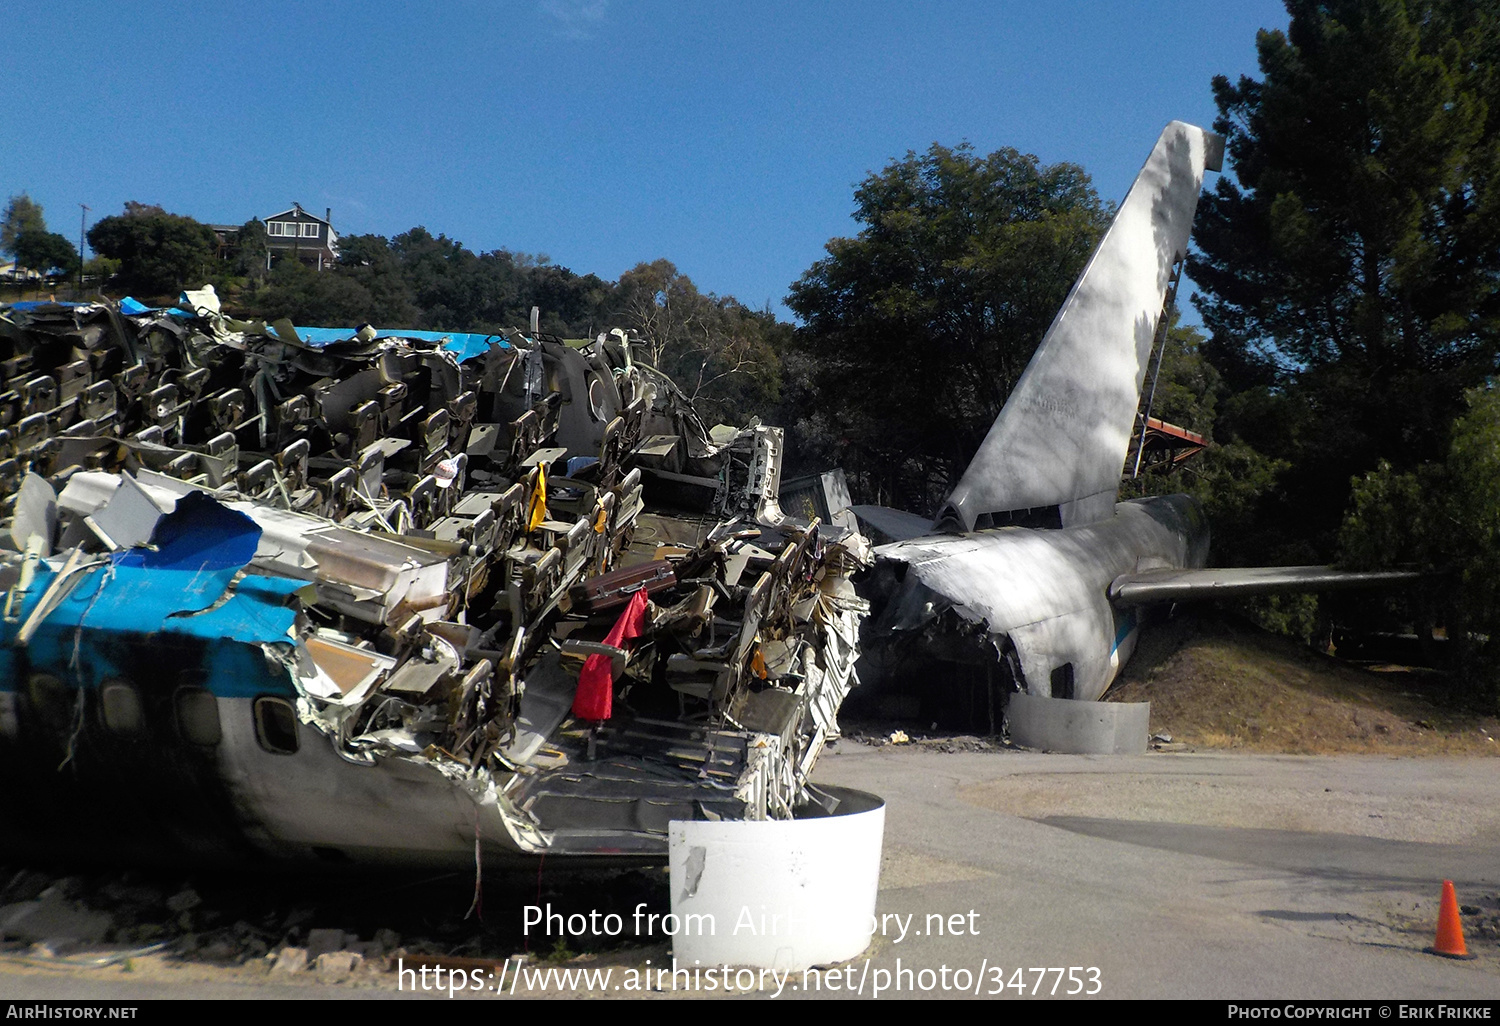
pixel 726 137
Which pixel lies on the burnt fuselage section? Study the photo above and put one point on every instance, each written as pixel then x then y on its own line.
pixel 1026 609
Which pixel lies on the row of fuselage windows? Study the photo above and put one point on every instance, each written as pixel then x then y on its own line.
pixel 195 711
pixel 291 228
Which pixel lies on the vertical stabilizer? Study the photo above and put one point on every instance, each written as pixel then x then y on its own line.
pixel 1057 448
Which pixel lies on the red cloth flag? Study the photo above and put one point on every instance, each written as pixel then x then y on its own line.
pixel 594 699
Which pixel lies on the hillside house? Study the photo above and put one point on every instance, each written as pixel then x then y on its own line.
pixel 305 236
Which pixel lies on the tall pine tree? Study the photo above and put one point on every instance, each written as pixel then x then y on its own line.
pixel 1351 267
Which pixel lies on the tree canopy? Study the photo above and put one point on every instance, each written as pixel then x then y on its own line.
pixel 418 280
pixel 159 253
pixel 1443 516
pixel 251 250
pixel 1349 267
pixel 22 214
pixel 723 355
pixel 917 328
pixel 44 251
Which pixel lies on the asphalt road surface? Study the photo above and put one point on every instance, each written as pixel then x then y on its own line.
pixel 1202 876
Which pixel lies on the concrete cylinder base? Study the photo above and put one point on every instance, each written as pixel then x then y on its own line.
pixel 1079 728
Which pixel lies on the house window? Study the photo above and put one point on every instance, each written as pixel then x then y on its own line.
pixel 310 231
pixel 273 228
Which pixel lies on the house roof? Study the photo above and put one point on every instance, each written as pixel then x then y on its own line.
pixel 296 211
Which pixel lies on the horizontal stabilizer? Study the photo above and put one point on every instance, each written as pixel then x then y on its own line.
pixel 1233 582
pixel 895 524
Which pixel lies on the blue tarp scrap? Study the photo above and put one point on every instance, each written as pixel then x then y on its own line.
pixel 132 307
pixel 463 345
pixel 467 346
pixel 28 305
pixel 199 534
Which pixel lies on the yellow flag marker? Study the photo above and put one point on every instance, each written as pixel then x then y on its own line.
pixel 536 510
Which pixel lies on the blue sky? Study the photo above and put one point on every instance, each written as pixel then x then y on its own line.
pixel 727 138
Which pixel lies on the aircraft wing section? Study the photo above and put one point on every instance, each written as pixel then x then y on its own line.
pixel 1060 441
pixel 1150 586
pixel 895 524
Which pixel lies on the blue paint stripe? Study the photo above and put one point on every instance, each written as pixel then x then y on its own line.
pixel 135 607
pixel 1127 624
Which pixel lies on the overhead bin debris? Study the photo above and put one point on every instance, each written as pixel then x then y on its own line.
pixel 271 590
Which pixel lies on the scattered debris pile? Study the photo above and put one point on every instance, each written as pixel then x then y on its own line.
pixel 319 925
pixel 351 594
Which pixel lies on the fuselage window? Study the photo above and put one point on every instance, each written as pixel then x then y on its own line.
pixel 596 399
pixel 276 725
pixel 51 700
pixel 120 707
pixel 198 716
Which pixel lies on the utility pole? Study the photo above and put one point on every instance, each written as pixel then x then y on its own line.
pixel 82 219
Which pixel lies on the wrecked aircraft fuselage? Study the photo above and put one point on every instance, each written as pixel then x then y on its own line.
pixel 1028 610
pixel 403 597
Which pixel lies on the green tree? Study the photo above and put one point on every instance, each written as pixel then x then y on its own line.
pixel 572 305
pixel 441 274
pixel 1443 517
pixel 22 215
pixel 1349 274
pixel 1188 387
pixel 159 253
pixel 44 251
pixel 251 250
pixel 917 329
pixel 1230 477
pixel 441 284
pixel 101 268
pixel 369 262
pixel 310 297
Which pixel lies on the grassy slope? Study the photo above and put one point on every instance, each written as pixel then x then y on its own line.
pixel 1216 682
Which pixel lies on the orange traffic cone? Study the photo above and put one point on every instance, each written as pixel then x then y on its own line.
pixel 1450 931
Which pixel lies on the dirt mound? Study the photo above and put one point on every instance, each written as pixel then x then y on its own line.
pixel 1217 682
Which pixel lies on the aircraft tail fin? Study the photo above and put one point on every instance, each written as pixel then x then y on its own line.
pixel 1054 455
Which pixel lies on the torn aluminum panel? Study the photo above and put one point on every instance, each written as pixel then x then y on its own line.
pixel 35 514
